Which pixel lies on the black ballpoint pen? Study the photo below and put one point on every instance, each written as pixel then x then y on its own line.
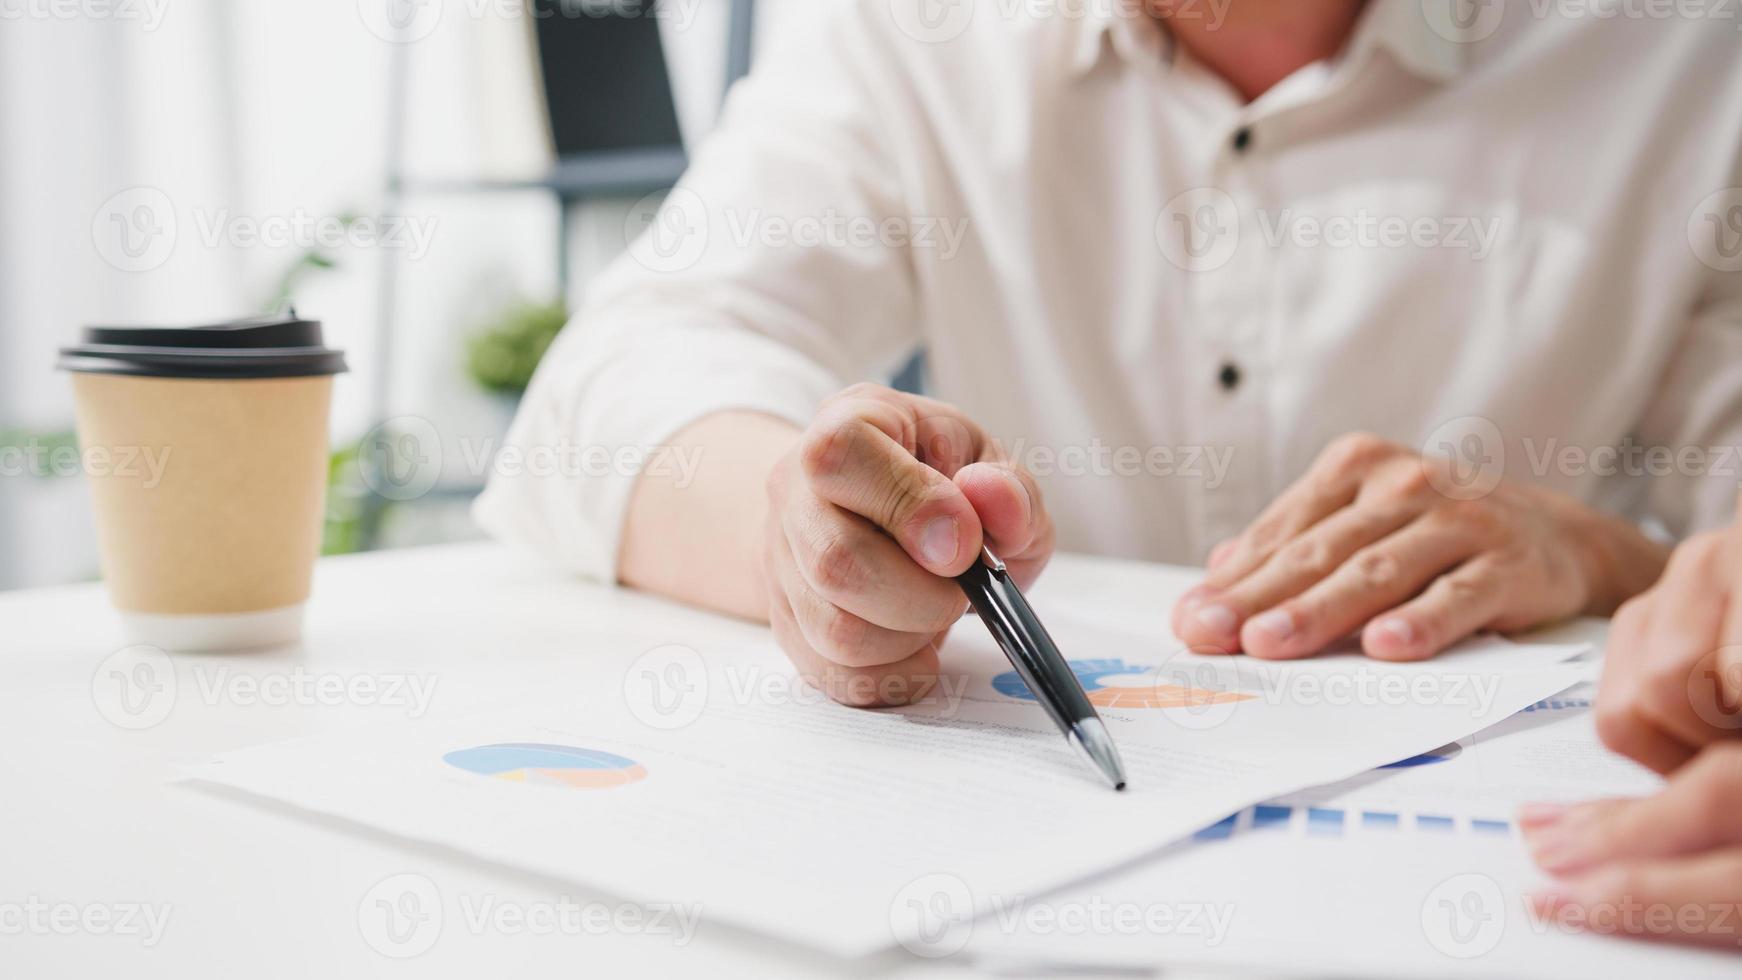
pixel 1040 665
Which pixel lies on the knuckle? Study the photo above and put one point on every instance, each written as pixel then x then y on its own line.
pixel 1375 569
pixel 846 638
pixel 861 390
pixel 1355 450
pixel 826 445
pixel 1307 556
pixel 838 568
pixel 1328 481
pixel 1476 518
pixel 1411 482
pixel 1462 590
pixel 906 497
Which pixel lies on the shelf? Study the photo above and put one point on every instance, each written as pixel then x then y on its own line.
pixel 615 172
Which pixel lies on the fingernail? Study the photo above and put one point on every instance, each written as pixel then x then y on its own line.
pixel 938 542
pixel 1537 816
pixel 1398 630
pixel 1218 619
pixel 1277 623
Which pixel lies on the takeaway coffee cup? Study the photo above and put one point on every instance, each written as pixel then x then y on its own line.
pixel 206 450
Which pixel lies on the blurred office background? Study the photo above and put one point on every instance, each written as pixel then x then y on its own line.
pixel 185 161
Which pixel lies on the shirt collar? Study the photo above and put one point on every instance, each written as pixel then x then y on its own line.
pixel 1405 28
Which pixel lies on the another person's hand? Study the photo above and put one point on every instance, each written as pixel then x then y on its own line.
pixel 1367 540
pixel 884 500
pixel 1668 866
pixel 1672 674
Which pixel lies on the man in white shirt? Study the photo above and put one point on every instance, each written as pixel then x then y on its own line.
pixel 1169 259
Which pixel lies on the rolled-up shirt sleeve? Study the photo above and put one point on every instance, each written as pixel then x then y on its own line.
pixel 773 275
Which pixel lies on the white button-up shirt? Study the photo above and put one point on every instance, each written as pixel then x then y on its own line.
pixel 1507 233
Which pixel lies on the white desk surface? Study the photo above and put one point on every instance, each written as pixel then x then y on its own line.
pixel 92 817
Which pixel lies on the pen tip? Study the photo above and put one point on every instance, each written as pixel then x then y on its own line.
pixel 1119 786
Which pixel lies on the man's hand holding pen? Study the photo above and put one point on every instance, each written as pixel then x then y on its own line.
pixel 885 499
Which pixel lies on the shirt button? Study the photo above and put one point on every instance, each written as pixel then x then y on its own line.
pixel 1242 139
pixel 1229 377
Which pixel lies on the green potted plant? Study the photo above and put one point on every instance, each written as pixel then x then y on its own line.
pixel 502 356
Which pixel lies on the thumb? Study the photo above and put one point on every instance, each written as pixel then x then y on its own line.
pixel 850 460
pixel 1693 812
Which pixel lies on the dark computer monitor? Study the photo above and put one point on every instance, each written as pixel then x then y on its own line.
pixel 605 79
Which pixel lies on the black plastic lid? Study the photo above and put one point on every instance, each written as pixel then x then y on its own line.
pixel 263 347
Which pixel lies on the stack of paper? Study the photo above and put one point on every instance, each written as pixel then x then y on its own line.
pixel 1416 869
pixel 709 776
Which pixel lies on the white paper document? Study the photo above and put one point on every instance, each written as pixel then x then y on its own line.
pixel 710 776
pixel 1414 870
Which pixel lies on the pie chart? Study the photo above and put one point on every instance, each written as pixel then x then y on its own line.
pixel 1113 683
pixel 552 765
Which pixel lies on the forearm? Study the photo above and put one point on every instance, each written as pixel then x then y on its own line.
pixel 699 539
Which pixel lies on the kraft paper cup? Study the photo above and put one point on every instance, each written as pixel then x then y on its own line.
pixel 206 451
